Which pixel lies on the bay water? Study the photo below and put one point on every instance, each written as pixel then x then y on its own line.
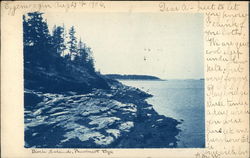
pixel 182 100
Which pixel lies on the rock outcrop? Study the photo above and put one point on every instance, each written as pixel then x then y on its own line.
pixel 115 118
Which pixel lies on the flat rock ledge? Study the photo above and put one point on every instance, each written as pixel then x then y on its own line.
pixel 115 118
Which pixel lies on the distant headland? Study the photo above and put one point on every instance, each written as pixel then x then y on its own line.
pixel 132 77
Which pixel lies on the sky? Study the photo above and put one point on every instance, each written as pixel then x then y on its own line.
pixel 169 46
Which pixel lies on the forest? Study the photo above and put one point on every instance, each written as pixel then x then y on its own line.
pixel 56 60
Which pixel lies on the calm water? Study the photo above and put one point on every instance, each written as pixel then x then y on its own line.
pixel 182 100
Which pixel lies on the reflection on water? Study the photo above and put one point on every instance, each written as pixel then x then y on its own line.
pixel 182 100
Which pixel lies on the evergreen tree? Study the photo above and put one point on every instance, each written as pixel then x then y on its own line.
pixel 36 39
pixel 72 43
pixel 81 55
pixel 36 32
pixel 89 60
pixel 58 40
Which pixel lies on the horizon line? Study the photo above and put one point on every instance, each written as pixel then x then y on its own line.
pixel 156 76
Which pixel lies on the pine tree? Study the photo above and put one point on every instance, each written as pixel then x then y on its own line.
pixel 89 59
pixel 58 40
pixel 36 32
pixel 36 39
pixel 72 43
pixel 82 54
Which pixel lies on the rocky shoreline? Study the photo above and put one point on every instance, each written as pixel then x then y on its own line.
pixel 115 118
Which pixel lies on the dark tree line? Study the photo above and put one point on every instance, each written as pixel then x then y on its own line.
pixel 55 60
pixel 53 50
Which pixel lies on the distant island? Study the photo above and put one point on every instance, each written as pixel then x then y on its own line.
pixel 132 77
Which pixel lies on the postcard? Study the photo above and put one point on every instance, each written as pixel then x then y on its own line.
pixel 124 79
